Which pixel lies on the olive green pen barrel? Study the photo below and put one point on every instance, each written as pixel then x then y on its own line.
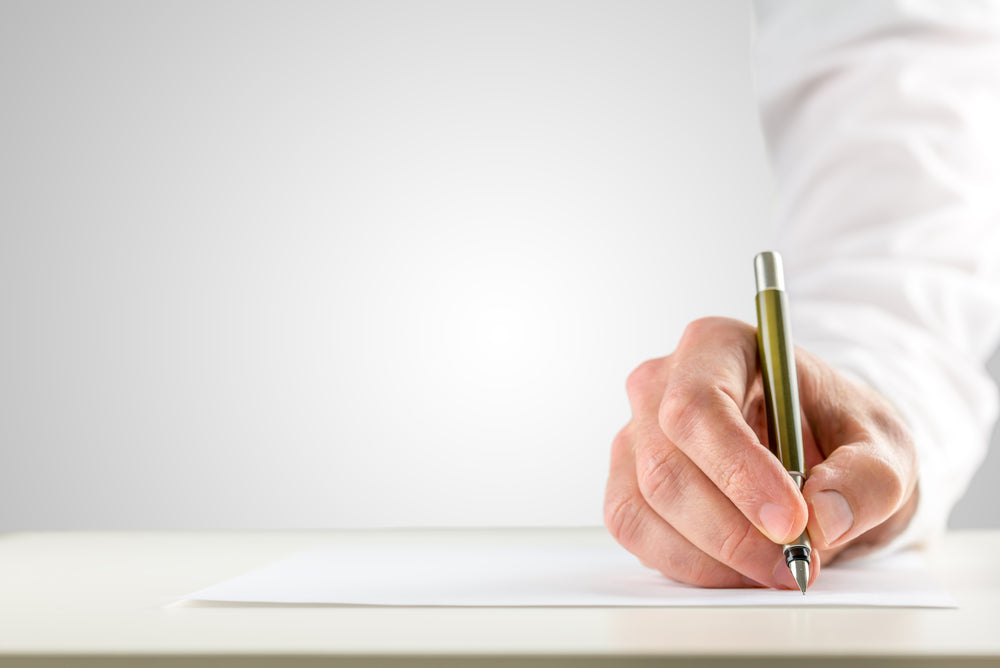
pixel 781 387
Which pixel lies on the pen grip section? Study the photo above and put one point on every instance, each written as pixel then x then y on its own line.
pixel 781 388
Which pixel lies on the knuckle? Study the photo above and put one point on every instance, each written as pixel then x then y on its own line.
pixel 701 572
pixel 698 328
pixel 623 439
pixel 735 478
pixel 698 568
pixel 643 377
pixel 683 565
pixel 683 407
pixel 892 483
pixel 678 409
pixel 661 475
pixel 714 327
pixel 735 542
pixel 623 516
pixel 897 437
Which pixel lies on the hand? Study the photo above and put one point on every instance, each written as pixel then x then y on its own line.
pixel 695 493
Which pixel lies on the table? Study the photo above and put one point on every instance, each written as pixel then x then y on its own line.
pixel 111 599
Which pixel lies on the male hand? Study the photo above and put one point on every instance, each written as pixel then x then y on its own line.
pixel 695 493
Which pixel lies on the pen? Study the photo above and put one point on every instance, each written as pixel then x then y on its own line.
pixel 781 392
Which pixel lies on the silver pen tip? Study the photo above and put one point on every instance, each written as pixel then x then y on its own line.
pixel 800 571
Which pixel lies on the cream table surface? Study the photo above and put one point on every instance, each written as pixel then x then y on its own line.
pixel 113 599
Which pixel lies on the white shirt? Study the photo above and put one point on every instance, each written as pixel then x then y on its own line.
pixel 883 123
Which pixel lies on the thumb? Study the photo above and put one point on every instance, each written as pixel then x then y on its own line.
pixel 858 487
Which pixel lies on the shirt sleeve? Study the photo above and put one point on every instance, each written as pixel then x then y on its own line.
pixel 882 119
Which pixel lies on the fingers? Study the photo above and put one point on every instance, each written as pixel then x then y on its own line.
pixel 857 488
pixel 669 494
pixel 644 533
pixel 702 414
pixel 698 471
pixel 870 470
pixel 680 493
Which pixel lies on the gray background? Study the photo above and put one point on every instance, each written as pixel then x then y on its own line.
pixel 358 263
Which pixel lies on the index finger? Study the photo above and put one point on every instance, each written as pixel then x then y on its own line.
pixel 702 414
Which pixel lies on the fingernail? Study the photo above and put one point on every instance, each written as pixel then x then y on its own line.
pixel 777 521
pixel 833 514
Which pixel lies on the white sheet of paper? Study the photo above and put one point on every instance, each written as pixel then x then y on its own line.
pixel 546 575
